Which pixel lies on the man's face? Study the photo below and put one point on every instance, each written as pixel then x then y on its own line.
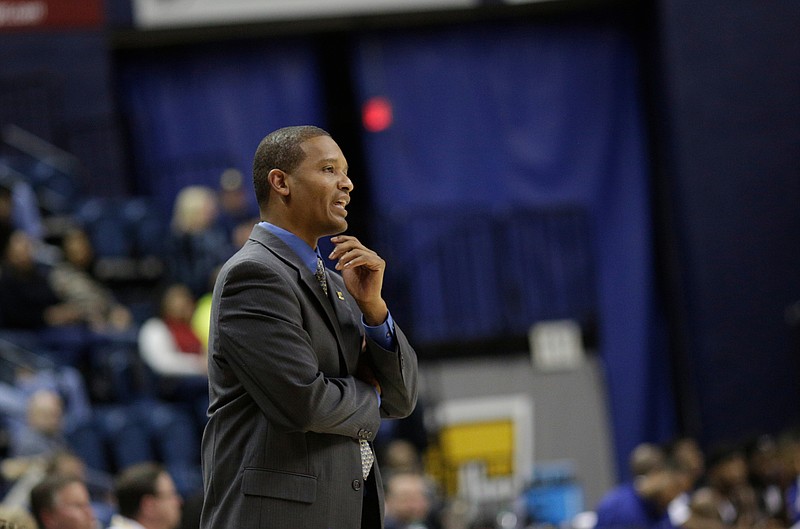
pixel 319 190
pixel 168 502
pixel 72 509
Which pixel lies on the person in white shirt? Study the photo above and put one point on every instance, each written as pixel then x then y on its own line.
pixel 146 499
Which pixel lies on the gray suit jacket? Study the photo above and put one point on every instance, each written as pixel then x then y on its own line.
pixel 280 448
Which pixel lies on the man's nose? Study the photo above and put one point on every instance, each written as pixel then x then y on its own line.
pixel 346 183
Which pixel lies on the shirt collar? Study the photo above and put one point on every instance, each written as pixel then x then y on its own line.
pixel 307 254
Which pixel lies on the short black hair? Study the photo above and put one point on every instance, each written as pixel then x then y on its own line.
pixel 133 484
pixel 43 495
pixel 280 149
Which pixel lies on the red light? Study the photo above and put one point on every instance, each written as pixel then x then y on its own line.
pixel 376 114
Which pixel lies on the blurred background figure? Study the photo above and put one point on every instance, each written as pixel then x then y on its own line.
pixel 234 200
pixel 43 433
pixel 644 458
pixel 27 301
pixel 644 502
pixel 72 280
pixel 196 244
pixel 146 498
pixel 170 347
pixel 62 502
pixel 167 341
pixel 409 502
pixel 16 518
pixel 704 510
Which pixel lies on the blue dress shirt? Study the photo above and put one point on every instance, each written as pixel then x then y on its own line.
pixel 382 334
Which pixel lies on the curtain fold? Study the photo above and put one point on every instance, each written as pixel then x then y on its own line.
pixel 512 187
pixel 193 113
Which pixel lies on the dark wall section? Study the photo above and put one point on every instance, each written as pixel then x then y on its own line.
pixel 732 80
pixel 57 86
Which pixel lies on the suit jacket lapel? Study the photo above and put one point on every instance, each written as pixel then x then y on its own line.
pixel 286 254
pixel 344 313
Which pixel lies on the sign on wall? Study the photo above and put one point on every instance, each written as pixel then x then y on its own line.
pixel 18 15
pixel 172 13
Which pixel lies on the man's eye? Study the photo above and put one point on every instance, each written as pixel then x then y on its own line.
pixel 328 169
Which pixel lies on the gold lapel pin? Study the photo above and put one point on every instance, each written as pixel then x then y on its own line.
pixel 340 295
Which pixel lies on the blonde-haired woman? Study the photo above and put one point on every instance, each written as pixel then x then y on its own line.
pixel 196 244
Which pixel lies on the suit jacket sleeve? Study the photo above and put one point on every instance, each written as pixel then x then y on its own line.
pixel 267 330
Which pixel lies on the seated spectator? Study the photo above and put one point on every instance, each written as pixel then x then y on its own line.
pixel 704 513
pixel 643 503
pixel 408 502
pixel 234 200
pixel 72 279
pixel 201 316
pixel 686 452
pixel 727 474
pixel 766 475
pixel 196 244
pixel 43 433
pixel 30 308
pixel 167 342
pixel 60 502
pixel 28 472
pixel 171 348
pixel 27 301
pixel 146 499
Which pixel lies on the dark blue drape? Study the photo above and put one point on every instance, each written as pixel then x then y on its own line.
pixel 512 186
pixel 195 112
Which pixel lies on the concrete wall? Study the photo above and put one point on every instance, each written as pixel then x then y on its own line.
pixel 570 414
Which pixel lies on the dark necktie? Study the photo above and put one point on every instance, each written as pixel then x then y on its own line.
pixel 367 456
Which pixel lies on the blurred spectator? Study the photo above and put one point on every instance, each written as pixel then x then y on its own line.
pixel 171 348
pixel 408 502
pixel 146 498
pixel 704 510
pixel 64 380
pixel 62 502
pixel 400 456
pixel 685 451
pixel 201 317
pixel 766 475
pixel 791 447
pixel 167 342
pixel 16 518
pixel 43 433
pixel 241 232
pixel 196 244
pixel 72 279
pixel 644 502
pixel 27 300
pixel 727 474
pixel 644 458
pixel 234 200
pixel 19 208
pixel 31 471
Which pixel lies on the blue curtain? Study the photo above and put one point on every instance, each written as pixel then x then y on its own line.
pixel 512 186
pixel 195 112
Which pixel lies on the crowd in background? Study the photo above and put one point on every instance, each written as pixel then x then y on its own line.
pixel 98 375
pixel 103 401
pixel 749 484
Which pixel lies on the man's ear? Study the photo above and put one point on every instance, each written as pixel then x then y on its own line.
pixel 278 182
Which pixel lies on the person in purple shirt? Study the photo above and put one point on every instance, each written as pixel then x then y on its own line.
pixel 642 503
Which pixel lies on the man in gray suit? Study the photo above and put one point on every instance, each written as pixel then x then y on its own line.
pixel 303 362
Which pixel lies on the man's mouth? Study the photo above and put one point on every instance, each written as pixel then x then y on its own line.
pixel 341 203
